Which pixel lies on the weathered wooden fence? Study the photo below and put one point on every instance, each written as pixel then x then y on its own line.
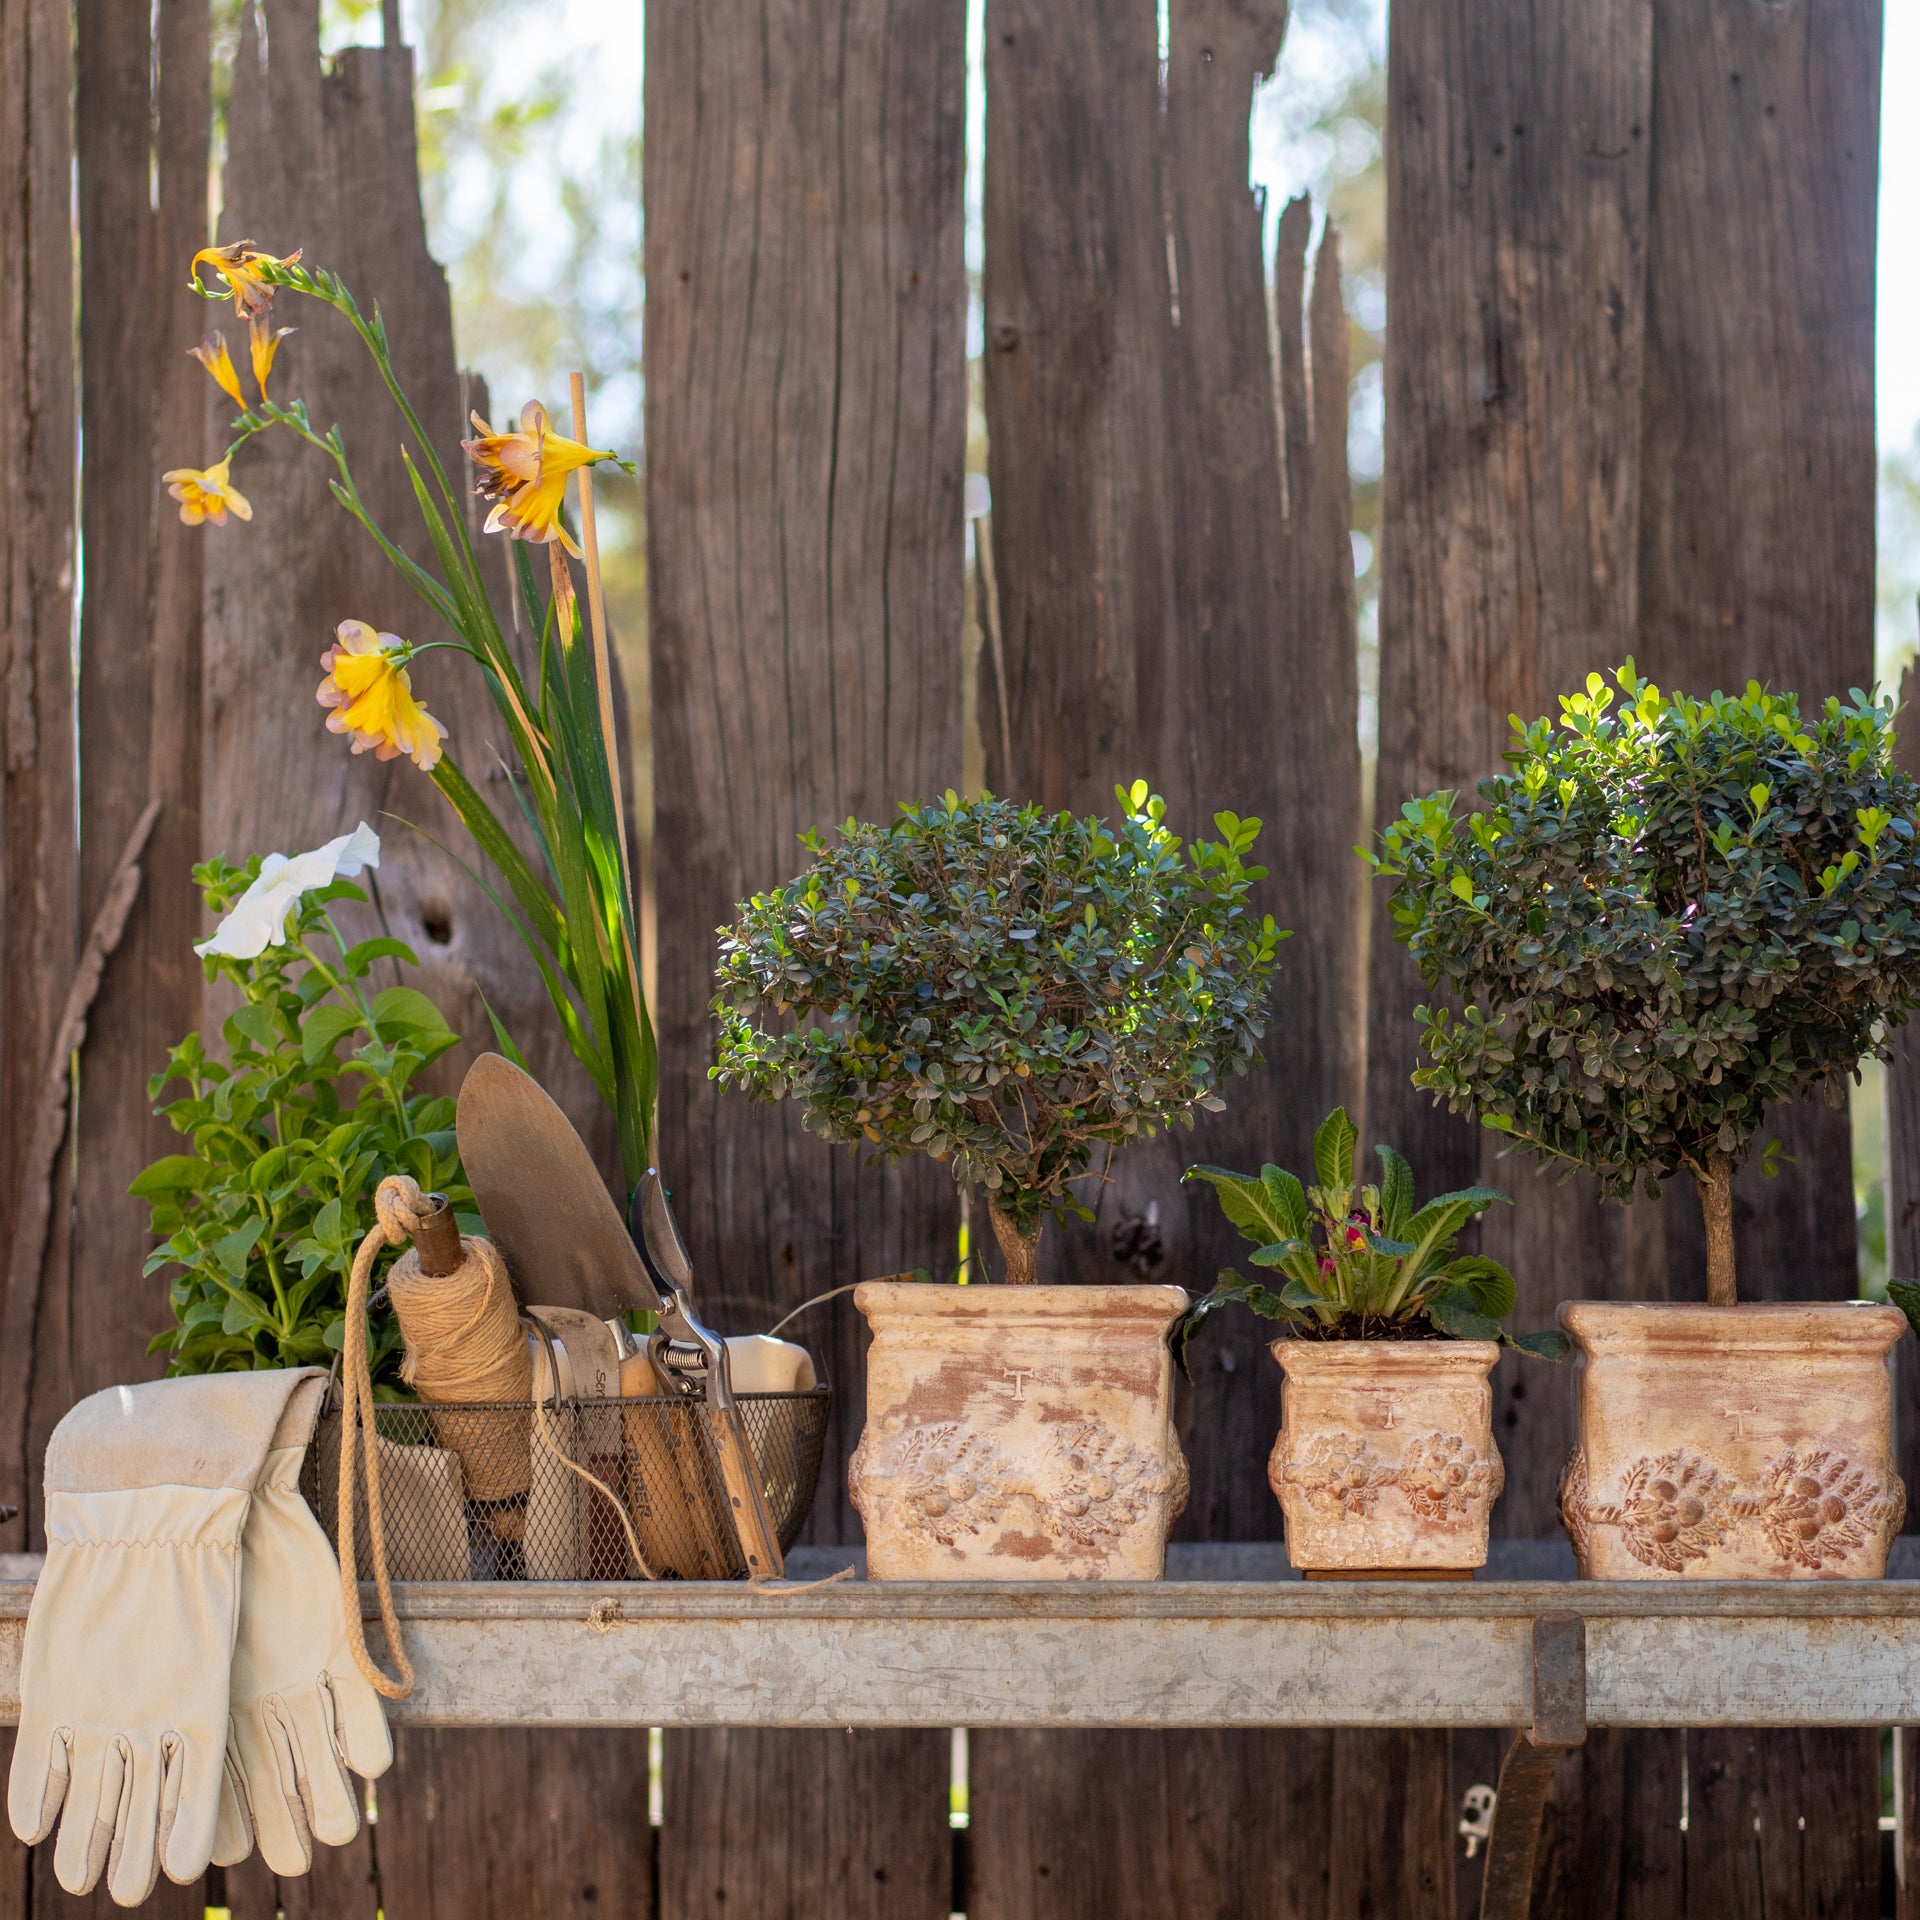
pixel 1628 410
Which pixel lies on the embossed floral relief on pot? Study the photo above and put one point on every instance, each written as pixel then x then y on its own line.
pixel 1081 1488
pixel 1811 1508
pixel 1343 1476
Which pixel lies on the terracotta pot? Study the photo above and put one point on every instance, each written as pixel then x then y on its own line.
pixel 1732 1443
pixel 1385 1460
pixel 1018 1433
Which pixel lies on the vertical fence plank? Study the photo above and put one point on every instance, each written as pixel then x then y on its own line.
pixel 1542 177
pixel 1903 1169
pixel 777 1822
pixel 1517 184
pixel 141 173
pixel 472 1824
pixel 505 1826
pixel 1076 367
pixel 1782 1824
pixel 805 449
pixel 38 904
pixel 1170 608
pixel 1611 1845
pixel 1763 201
pixel 1903 1262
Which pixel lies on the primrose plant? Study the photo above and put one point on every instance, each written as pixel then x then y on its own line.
pixel 1363 1263
pixel 1669 914
pixel 290 1133
pixel 1002 988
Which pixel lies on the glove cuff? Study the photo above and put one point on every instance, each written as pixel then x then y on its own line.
pixel 206 1431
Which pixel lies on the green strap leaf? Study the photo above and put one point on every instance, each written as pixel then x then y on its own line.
pixel 1333 1145
pixel 1542 1346
pixel 1396 1194
pixel 1265 1210
pixel 1491 1285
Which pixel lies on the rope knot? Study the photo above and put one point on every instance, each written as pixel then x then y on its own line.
pixel 401 1207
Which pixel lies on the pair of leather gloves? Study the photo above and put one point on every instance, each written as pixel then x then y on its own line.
pixel 186 1681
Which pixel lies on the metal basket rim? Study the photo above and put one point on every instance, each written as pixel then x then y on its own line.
pixel 334 1405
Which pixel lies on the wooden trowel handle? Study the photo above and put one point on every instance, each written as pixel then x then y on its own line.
pixel 745 1500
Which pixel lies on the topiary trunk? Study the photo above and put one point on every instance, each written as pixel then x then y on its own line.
pixel 1716 1203
pixel 1022 1250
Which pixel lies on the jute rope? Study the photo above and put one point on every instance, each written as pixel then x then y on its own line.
pixel 400 1209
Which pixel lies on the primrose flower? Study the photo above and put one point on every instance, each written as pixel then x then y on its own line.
pixel 259 917
pixel 265 342
pixel 372 698
pixel 524 474
pixel 239 265
pixel 213 355
pixel 207 495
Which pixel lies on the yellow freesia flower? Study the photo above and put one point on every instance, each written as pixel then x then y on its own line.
pixel 372 698
pixel 265 342
pixel 213 355
pixel 208 495
pixel 239 265
pixel 524 474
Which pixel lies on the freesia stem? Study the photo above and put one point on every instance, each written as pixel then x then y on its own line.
pixel 597 609
pixel 603 680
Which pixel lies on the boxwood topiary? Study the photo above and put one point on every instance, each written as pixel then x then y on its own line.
pixel 1002 987
pixel 1667 915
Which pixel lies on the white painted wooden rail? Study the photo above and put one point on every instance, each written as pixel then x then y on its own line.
pixel 1170 1654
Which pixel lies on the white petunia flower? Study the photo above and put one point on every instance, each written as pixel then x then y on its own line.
pixel 259 917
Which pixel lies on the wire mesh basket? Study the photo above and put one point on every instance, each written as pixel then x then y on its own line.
pixel 480 1492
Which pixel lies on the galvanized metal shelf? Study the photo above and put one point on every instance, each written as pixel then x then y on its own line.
pixel 1168 1654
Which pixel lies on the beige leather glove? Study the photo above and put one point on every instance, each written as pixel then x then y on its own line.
pixel 302 1715
pixel 129 1641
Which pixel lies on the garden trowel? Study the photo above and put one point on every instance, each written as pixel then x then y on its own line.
pixel 559 1232
pixel 543 1200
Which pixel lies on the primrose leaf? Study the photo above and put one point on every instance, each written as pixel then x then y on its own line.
pixel 1455 1313
pixel 1491 1285
pixel 1542 1346
pixel 1905 1294
pixel 1264 1211
pixel 1333 1144
pixel 1396 1194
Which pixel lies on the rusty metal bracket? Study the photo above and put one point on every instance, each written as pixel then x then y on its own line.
pixel 1559 1724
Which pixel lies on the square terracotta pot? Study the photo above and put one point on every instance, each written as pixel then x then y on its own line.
pixel 1018 1433
pixel 1386 1459
pixel 1732 1443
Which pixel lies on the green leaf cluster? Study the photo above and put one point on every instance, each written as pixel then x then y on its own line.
pixel 1366 1263
pixel 1001 987
pixel 1668 914
pixel 287 1137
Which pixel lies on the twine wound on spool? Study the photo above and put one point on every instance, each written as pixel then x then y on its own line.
pixel 465 1342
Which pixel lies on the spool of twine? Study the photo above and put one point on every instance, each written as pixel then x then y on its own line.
pixel 465 1343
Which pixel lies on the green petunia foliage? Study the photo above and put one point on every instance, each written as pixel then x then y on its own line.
pixel 289 1124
